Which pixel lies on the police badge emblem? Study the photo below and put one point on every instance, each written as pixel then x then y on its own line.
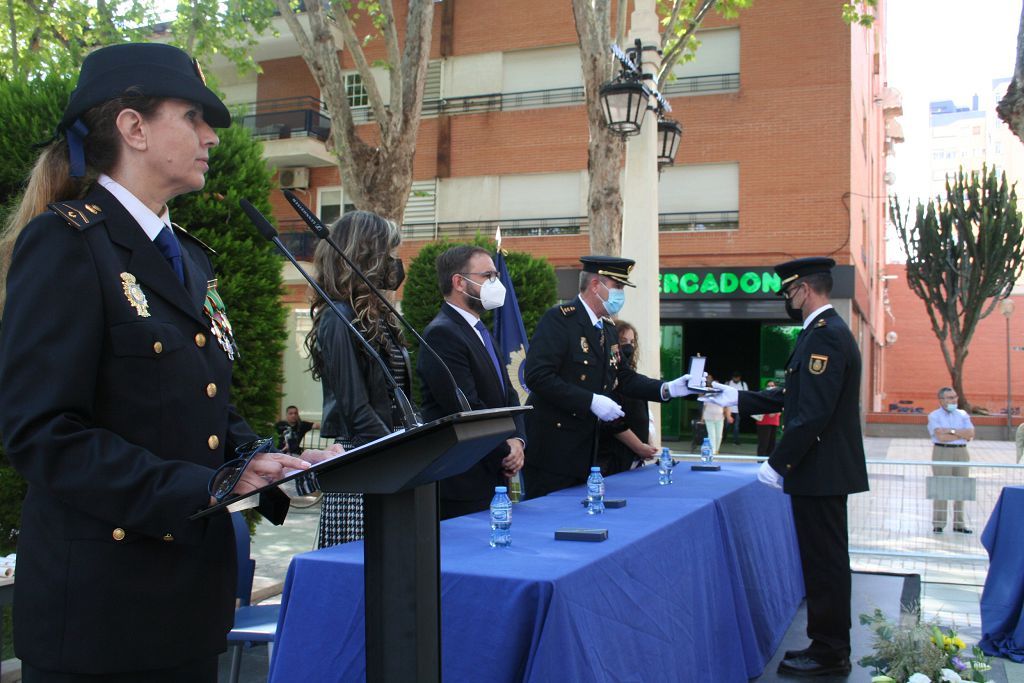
pixel 584 345
pixel 818 364
pixel 136 297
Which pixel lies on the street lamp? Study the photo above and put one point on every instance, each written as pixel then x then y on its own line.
pixel 669 134
pixel 624 102
pixel 1006 308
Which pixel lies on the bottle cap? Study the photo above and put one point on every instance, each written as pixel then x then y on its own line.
pixel 501 489
pixel 595 469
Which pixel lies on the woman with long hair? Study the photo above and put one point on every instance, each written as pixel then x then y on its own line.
pixel 358 404
pixel 115 387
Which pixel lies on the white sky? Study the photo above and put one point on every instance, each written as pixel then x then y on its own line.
pixel 943 50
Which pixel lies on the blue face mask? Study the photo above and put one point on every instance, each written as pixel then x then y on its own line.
pixel 615 301
pixel 950 407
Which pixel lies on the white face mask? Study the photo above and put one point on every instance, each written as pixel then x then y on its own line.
pixel 492 294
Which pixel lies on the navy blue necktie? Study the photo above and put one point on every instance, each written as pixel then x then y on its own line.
pixel 168 245
pixel 490 349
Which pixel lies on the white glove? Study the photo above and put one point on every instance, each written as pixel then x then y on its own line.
pixel 679 387
pixel 767 475
pixel 605 408
pixel 727 396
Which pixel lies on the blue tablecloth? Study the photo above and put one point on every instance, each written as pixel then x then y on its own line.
pixel 1002 625
pixel 697 581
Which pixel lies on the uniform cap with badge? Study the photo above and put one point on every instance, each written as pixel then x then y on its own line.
pixel 791 271
pixel 613 267
pixel 146 69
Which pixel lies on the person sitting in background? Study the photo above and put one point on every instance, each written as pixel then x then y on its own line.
pixel 626 442
pixel 292 430
pixel 767 427
pixel 950 429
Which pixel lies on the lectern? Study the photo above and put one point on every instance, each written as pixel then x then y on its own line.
pixel 398 475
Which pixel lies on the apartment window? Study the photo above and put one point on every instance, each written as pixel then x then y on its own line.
pixel 332 205
pixel 356 91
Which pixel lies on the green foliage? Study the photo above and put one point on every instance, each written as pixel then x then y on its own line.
pixel 248 269
pixel 12 492
pixel 53 37
pixel 533 278
pixel 861 12
pixel 902 651
pixel 30 111
pixel 964 252
pixel 680 20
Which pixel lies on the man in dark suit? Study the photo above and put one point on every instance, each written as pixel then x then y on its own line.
pixel 820 459
pixel 469 284
pixel 571 369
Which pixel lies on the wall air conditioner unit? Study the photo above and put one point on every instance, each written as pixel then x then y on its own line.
pixel 293 178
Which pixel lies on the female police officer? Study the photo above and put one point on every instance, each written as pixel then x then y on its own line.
pixel 115 378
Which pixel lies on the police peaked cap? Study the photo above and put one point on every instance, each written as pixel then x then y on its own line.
pixel 791 271
pixel 153 69
pixel 613 267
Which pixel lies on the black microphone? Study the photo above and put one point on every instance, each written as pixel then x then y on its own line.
pixel 268 231
pixel 321 231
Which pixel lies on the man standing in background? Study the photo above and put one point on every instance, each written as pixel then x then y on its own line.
pixel 950 429
pixel 292 430
pixel 738 384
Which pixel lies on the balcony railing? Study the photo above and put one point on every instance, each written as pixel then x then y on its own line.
pixel 285 118
pixel 293 117
pixel 696 221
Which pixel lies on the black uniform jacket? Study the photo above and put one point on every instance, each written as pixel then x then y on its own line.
pixel 117 415
pixel 459 346
pixel 568 362
pixel 357 397
pixel 821 452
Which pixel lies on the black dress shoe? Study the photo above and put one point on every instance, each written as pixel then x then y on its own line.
pixel 962 530
pixel 937 530
pixel 807 667
pixel 793 654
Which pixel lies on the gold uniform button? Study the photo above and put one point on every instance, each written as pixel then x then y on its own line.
pixel 583 378
pixel 211 389
pixel 558 425
pixel 586 362
pixel 168 538
pixel 158 347
pixel 200 339
pixel 118 534
pixel 213 442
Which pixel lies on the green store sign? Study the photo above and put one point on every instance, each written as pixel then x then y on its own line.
pixel 718 283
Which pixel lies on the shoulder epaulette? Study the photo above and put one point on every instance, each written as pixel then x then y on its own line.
pixel 78 214
pixel 568 309
pixel 820 323
pixel 182 231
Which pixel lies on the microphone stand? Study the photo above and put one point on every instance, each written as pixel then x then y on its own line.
pixel 268 231
pixel 321 231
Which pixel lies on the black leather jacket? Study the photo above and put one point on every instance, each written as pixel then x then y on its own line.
pixel 357 399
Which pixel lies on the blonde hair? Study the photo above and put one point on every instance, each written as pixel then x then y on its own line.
pixel 368 240
pixel 50 180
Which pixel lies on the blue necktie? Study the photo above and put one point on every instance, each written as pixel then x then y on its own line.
pixel 168 245
pixel 490 349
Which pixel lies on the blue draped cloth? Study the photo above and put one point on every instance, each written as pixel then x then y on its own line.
pixel 1002 625
pixel 697 581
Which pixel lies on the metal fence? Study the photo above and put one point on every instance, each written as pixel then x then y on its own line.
pixel 891 525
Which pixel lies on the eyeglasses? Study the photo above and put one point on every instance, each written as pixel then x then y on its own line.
pixel 228 474
pixel 489 275
pixel 790 291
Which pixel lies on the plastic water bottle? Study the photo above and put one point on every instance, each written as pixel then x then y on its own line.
pixel 665 466
pixel 595 492
pixel 705 451
pixel 501 518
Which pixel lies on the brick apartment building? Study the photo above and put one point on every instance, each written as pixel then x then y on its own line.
pixel 782 156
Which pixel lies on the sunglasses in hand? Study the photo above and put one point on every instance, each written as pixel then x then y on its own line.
pixel 227 475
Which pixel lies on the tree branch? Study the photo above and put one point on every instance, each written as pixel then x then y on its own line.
pixel 351 40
